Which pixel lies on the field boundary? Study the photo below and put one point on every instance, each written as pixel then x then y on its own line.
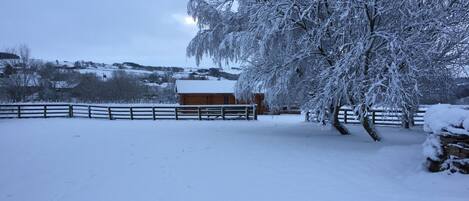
pixel 377 117
pixel 183 112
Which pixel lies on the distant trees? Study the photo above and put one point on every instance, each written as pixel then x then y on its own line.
pixel 124 87
pixel 8 70
pixel 164 94
pixel 89 88
pixel 437 88
pixel 20 81
pixel 329 53
pixel 121 87
pixel 56 84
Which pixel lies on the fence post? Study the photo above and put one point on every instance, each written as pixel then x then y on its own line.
pixel 373 117
pixel 45 111
pixel 154 113
pixel 19 111
pixel 254 111
pixel 89 112
pixel 246 110
pixel 176 113
pixel 199 113
pixel 307 116
pixel 109 112
pixel 223 112
pixel 70 111
pixel 131 113
pixel 412 118
pixel 345 116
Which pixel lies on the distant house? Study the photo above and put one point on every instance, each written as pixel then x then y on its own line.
pixel 5 56
pixel 4 62
pixel 63 86
pixel 212 92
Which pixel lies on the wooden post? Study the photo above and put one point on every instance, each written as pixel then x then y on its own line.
pixel 404 120
pixel 412 118
pixel 109 111
pixel 199 113
pixel 345 116
pixel 373 117
pixel 45 111
pixel 223 112
pixel 254 110
pixel 307 116
pixel 247 112
pixel 89 112
pixel 19 111
pixel 131 113
pixel 70 111
pixel 176 113
pixel 154 113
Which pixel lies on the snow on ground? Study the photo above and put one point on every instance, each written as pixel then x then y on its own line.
pixel 275 158
pixel 110 71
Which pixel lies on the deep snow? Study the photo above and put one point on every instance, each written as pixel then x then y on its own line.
pixel 275 158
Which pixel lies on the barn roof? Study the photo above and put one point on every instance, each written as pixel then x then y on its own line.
pixel 4 55
pixel 205 86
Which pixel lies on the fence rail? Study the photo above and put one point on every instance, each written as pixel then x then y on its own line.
pixel 378 116
pixel 185 112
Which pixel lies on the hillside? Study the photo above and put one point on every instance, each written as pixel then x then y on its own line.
pixel 107 70
pixel 98 82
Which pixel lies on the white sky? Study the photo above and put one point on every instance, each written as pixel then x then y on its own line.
pixel 150 32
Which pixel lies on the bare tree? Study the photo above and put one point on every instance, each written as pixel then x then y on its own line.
pixel 22 83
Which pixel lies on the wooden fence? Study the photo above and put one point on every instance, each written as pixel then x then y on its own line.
pixel 194 112
pixel 378 116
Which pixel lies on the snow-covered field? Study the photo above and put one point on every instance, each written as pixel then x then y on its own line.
pixel 275 158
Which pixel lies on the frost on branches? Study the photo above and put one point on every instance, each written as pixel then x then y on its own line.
pixel 324 54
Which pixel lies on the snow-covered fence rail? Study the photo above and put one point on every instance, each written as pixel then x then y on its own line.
pixel 195 112
pixel 377 116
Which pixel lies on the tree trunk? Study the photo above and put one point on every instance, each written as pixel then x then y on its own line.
pixel 334 119
pixel 370 129
pixel 407 118
pixel 405 121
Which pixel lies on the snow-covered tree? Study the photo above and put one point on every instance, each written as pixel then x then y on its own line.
pixel 328 53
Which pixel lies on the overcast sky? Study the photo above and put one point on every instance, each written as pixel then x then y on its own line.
pixel 150 32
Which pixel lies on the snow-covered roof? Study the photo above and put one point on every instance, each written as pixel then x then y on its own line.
pixel 205 86
pixel 5 55
pixel 64 84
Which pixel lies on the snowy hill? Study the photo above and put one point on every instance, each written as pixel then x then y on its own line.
pixel 96 81
pixel 107 70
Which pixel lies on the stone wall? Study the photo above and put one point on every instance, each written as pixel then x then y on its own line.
pixel 454 156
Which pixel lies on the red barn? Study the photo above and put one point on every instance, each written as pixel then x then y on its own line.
pixel 212 92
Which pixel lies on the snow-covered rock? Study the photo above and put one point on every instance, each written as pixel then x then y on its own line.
pixel 432 147
pixel 447 118
pixel 447 144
